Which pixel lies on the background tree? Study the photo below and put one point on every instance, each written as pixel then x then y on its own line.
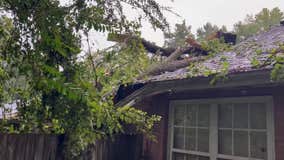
pixel 208 29
pixel 178 36
pixel 43 46
pixel 262 21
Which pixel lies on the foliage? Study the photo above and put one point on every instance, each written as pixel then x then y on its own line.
pixel 41 47
pixel 262 21
pixel 208 29
pixel 215 46
pixel 178 37
pixel 277 59
pixel 119 65
pixel 5 30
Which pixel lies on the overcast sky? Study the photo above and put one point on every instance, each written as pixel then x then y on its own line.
pixel 198 12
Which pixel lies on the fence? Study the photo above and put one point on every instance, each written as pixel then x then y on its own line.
pixel 123 147
pixel 28 147
pixel 49 147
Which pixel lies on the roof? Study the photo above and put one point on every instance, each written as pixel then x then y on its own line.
pixel 240 59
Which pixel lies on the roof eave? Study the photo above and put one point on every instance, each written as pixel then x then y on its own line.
pixel 255 78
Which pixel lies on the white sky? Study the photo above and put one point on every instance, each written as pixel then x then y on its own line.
pixel 198 12
pixel 219 12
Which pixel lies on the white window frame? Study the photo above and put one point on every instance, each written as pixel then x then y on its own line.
pixel 213 126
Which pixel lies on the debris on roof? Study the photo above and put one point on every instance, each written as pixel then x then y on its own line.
pixel 240 59
pixel 282 22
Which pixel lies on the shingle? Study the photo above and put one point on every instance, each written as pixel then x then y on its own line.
pixel 239 58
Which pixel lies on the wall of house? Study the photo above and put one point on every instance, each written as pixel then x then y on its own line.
pixel 156 150
pixel 160 105
pixel 279 124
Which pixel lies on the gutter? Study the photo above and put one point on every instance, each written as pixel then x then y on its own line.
pixel 255 78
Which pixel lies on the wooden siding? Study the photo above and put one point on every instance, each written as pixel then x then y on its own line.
pixel 159 104
pixel 157 150
pixel 279 125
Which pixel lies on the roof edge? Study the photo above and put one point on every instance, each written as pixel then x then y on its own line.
pixel 242 79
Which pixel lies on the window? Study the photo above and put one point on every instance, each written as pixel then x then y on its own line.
pixel 221 129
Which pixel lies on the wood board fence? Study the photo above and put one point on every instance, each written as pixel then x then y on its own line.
pixel 49 147
pixel 28 147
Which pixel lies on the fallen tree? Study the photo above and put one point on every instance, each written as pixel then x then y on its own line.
pixel 173 60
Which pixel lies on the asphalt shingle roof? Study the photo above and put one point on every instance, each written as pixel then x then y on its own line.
pixel 239 59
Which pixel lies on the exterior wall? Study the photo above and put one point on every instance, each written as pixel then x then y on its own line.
pixel 279 125
pixel 160 105
pixel 156 150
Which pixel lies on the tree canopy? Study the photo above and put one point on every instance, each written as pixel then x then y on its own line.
pixel 178 36
pixel 40 45
pixel 261 21
pixel 208 29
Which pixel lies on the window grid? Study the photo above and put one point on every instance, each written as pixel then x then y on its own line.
pixel 248 130
pixel 249 145
pixel 195 126
pixel 270 148
pixel 233 132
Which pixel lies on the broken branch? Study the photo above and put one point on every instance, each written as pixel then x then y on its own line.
pixel 170 66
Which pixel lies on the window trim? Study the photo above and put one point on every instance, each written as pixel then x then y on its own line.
pixel 213 127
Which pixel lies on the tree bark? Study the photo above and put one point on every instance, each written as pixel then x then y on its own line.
pixel 170 66
pixel 173 60
pixel 153 48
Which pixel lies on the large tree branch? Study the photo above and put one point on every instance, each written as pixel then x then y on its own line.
pixel 155 49
pixel 173 60
pixel 170 66
pixel 177 53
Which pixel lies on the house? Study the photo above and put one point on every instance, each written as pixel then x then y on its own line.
pixel 8 110
pixel 240 117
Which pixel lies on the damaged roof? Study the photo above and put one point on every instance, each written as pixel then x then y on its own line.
pixel 246 57
pixel 243 57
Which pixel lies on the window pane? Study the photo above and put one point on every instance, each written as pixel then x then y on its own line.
pixel 241 143
pixel 225 116
pixel 258 116
pixel 178 156
pixel 193 157
pixel 225 142
pixel 203 115
pixel 190 139
pixel 191 113
pixel 258 145
pixel 179 138
pixel 241 115
pixel 203 158
pixel 203 140
pixel 179 113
